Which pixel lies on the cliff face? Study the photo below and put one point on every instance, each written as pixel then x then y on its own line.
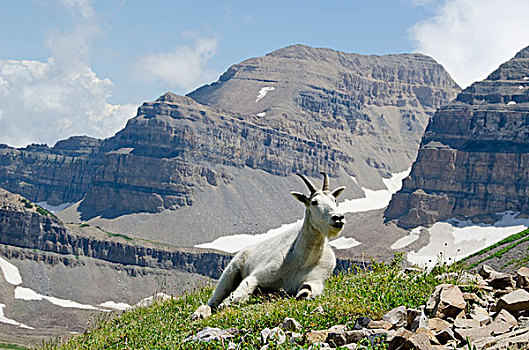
pixel 24 225
pixel 473 160
pixel 298 109
pixel 59 174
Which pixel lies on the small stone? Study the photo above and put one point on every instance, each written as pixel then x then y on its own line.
pixel 450 303
pixel 486 272
pixel 361 323
pixel 317 336
pixel 337 328
pixel 466 323
pixel 397 317
pixel 294 338
pixel 506 317
pixel 480 314
pixel 430 334
pixel 399 338
pixel 445 335
pixel 276 334
pixel 436 324
pixel 380 324
pixel 417 342
pixel 502 281
pixel 515 301
pixel 522 278
pixel 290 324
pixel 211 334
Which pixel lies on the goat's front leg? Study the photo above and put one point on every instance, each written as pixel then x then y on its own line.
pixel 242 293
pixel 309 290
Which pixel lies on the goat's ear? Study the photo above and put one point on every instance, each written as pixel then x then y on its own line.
pixel 300 197
pixel 338 191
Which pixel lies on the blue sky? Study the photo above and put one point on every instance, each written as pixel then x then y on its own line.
pixel 82 67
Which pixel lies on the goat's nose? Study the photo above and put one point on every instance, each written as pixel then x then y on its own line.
pixel 338 217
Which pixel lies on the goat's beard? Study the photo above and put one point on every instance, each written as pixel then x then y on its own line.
pixel 333 232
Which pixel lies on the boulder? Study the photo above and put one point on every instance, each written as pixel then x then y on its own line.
pixel 318 336
pixel 501 281
pixel 361 323
pixel 397 339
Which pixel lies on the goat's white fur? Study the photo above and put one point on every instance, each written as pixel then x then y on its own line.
pixel 297 261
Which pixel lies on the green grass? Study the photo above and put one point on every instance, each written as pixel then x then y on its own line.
pixel 346 296
pixel 12 346
pixel 112 234
pixel 517 238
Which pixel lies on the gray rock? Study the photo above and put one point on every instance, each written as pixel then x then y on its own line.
pixel 421 321
pixel 522 277
pixel 505 316
pixel 515 301
pixel 290 324
pixel 276 334
pixel 449 302
pixel 480 314
pixel 397 317
pixel 210 334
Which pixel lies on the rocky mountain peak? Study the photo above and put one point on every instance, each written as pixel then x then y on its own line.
pixel 473 156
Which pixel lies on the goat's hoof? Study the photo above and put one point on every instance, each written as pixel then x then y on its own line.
pixel 204 311
pixel 304 294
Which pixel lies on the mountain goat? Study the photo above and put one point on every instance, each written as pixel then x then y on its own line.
pixel 297 261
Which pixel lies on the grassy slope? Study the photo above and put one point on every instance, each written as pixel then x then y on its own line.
pixel 498 250
pixel 165 325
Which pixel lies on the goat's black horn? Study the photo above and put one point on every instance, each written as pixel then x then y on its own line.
pixel 325 186
pixel 308 183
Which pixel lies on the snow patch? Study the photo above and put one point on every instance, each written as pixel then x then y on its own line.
pixel 372 200
pixel 55 208
pixel 29 294
pixel 116 306
pixel 511 103
pixel 11 273
pixel 344 243
pixel 234 243
pixel 525 78
pixel 4 319
pixel 407 240
pixel 520 87
pixel 455 239
pixel 262 114
pixel 262 93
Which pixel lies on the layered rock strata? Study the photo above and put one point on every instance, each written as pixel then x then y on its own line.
pixel 298 109
pixel 474 157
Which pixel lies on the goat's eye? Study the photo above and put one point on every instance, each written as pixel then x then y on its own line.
pixel 314 202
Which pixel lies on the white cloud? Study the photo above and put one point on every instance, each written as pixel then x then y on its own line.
pixel 42 102
pixel 184 67
pixel 471 38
